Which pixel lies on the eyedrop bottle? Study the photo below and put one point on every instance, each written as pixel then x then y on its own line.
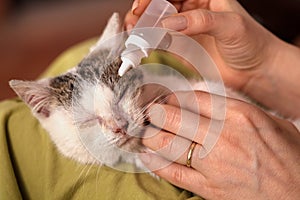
pixel 142 38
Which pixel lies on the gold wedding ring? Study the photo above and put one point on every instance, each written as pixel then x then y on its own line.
pixel 190 154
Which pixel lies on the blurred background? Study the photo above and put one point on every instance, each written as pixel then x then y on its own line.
pixel 34 32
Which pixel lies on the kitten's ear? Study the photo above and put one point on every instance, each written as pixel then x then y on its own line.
pixel 35 94
pixel 113 27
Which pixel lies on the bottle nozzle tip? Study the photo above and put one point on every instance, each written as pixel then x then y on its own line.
pixel 125 66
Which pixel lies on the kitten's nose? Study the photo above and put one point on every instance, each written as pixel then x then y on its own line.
pixel 119 131
pixel 120 127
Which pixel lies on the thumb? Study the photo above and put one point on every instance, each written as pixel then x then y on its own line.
pixel 221 25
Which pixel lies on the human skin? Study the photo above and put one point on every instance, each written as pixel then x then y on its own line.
pixel 249 57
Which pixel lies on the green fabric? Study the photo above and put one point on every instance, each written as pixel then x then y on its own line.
pixel 31 167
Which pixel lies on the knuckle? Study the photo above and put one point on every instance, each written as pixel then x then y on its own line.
pixel 241 117
pixel 200 20
pixel 239 24
pixel 174 118
pixel 244 113
pixel 203 18
pixel 240 112
pixel 177 176
pixel 238 18
pixel 165 141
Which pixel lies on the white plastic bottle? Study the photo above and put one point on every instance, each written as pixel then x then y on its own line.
pixel 142 38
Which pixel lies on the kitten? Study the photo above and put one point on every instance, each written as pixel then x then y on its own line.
pixel 91 100
pixel 91 114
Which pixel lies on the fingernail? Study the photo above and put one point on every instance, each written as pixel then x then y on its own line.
pixel 176 23
pixel 135 5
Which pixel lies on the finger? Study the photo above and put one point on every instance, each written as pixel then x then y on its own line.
pixel 139 6
pixel 201 21
pixel 189 125
pixel 130 20
pixel 199 102
pixel 186 5
pixel 168 145
pixel 137 9
pixel 172 147
pixel 179 121
pixel 191 5
pixel 227 154
pixel 176 174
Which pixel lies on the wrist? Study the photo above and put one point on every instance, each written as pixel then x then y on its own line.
pixel 276 81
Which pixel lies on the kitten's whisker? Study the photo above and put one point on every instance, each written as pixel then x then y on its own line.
pixel 89 169
pixel 86 168
pixel 115 140
pixel 97 178
pixel 111 141
pixel 158 99
pixel 79 179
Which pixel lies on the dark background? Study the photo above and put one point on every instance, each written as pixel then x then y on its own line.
pixel 282 17
pixel 34 32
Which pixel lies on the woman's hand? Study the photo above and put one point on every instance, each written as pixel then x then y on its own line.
pixel 227 32
pixel 248 56
pixel 257 156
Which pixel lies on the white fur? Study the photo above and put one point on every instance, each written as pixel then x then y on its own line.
pixel 92 95
pixel 65 135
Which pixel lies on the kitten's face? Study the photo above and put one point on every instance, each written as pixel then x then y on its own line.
pixel 89 107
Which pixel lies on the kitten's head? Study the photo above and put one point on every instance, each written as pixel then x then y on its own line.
pixel 90 109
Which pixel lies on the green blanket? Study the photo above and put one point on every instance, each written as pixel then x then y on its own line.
pixel 31 167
